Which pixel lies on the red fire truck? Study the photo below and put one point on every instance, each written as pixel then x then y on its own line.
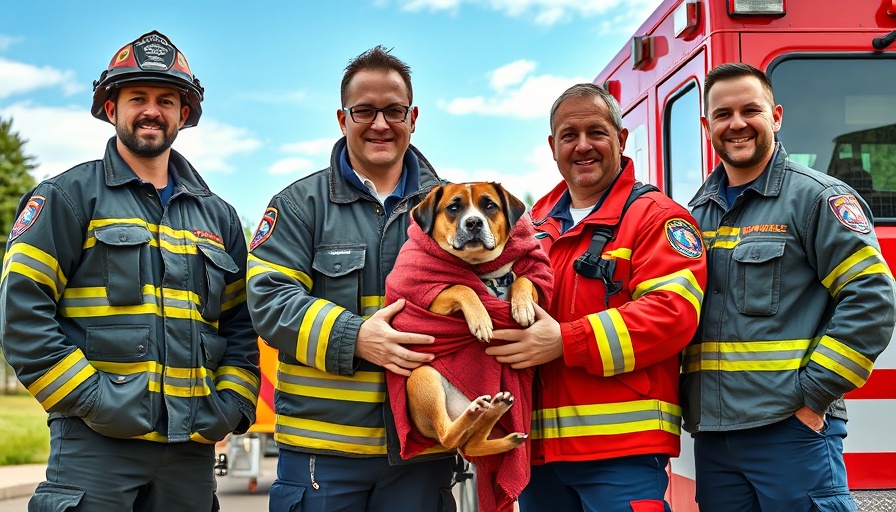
pixel 833 67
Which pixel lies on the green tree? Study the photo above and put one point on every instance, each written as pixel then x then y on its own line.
pixel 14 182
pixel 15 179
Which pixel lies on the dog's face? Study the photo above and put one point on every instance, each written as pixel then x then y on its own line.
pixel 470 220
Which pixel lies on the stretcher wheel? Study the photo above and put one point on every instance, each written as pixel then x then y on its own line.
pixel 253 485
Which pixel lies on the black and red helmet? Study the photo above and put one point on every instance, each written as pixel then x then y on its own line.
pixel 150 59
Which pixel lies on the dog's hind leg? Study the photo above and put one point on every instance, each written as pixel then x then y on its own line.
pixel 428 402
pixel 479 444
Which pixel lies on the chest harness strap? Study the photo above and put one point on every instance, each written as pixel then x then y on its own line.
pixel 590 264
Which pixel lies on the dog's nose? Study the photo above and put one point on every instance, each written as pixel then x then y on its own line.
pixel 473 224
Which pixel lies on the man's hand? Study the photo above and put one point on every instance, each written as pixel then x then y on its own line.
pixel 380 344
pixel 537 344
pixel 810 418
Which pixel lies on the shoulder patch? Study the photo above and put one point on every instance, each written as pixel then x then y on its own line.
pixel 28 216
pixel 684 238
pixel 265 228
pixel 849 212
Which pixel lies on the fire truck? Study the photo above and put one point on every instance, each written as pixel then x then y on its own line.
pixel 832 64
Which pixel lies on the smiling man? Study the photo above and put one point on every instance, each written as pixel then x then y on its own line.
pixel 629 271
pixel 123 305
pixel 802 304
pixel 317 273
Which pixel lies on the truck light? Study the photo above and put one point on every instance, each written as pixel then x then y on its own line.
pixel 891 9
pixel 642 51
pixel 686 17
pixel 755 7
pixel 614 87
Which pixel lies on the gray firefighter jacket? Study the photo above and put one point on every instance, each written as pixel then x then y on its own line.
pixel 317 268
pixel 799 302
pixel 129 314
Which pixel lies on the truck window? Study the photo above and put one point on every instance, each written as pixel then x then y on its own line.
pixel 682 142
pixel 839 116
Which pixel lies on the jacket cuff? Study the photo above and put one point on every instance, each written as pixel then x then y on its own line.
pixel 344 352
pixel 575 353
pixel 247 411
pixel 814 396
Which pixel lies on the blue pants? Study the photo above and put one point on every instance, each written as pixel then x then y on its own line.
pixel 782 467
pixel 624 484
pixel 90 472
pixel 346 484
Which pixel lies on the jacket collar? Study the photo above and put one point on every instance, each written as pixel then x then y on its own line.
pixel 610 209
pixel 186 179
pixel 343 191
pixel 768 183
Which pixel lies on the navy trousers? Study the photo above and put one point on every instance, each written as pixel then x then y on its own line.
pixel 328 483
pixel 782 467
pixel 624 484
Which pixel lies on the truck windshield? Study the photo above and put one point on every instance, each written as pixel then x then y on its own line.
pixel 840 118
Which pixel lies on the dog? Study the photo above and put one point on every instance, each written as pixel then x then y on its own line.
pixel 471 221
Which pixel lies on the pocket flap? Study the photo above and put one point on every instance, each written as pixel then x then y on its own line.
pixel 118 234
pixel 759 251
pixel 335 261
pixel 218 257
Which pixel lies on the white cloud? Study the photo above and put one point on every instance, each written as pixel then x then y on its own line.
pixel 511 74
pixel 546 12
pixel 297 166
pixel 531 99
pixel 21 78
pixel 60 138
pixel 537 181
pixel 7 41
pixel 310 147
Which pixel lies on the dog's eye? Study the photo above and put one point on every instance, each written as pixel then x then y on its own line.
pixel 491 206
pixel 453 208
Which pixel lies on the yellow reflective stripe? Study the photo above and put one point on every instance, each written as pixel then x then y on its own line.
pixel 234 295
pixel 34 275
pixel 58 381
pixel 364 387
pixel 842 360
pixel 606 419
pixel 330 436
pixel 236 379
pixel 313 338
pixel 851 268
pixel 38 255
pixel 179 234
pixel 128 368
pixel 682 283
pixel 373 301
pixel 615 344
pixel 296 275
pixel 733 356
pixel 621 253
pixel 200 439
pixel 152 436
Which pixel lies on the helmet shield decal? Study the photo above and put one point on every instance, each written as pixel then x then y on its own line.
pixel 154 53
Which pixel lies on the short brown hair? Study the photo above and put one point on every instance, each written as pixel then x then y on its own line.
pixel 731 71
pixel 377 58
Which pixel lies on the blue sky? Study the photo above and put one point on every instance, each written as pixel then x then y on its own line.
pixel 485 74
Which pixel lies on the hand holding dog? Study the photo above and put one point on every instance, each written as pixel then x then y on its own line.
pixel 380 344
pixel 538 344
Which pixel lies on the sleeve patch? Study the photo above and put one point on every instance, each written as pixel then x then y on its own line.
pixel 28 216
pixel 265 228
pixel 849 212
pixel 684 238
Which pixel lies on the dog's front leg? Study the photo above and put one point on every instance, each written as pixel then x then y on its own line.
pixel 463 298
pixel 523 297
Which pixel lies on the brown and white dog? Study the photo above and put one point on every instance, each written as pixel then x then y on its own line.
pixel 473 222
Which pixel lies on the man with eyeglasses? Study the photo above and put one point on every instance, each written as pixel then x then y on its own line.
pixel 317 271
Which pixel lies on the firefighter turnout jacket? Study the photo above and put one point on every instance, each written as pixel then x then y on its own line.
pixel 317 269
pixel 615 391
pixel 800 301
pixel 128 314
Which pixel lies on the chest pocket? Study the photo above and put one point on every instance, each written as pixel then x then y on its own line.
pixel 342 268
pixel 216 262
pixel 125 252
pixel 758 281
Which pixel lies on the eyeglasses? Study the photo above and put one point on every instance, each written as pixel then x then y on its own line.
pixel 366 114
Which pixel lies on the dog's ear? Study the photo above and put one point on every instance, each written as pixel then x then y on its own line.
pixel 425 212
pixel 513 207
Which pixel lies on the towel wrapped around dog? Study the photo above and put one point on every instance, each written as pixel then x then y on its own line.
pixel 422 270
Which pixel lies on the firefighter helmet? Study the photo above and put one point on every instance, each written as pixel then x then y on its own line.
pixel 150 59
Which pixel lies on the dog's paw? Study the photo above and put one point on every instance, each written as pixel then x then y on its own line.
pixel 481 328
pixel 503 399
pixel 523 311
pixel 480 405
pixel 517 437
